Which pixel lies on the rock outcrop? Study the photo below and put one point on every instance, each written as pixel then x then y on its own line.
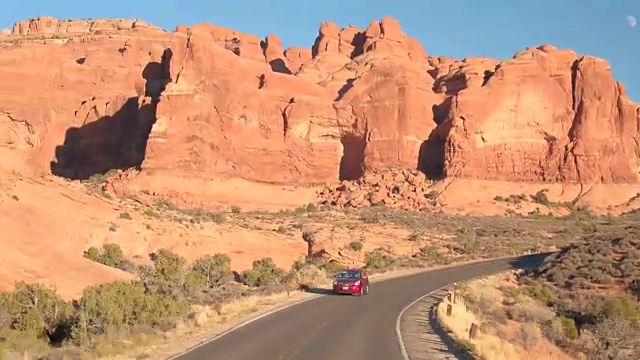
pixel 207 102
pixel 396 188
pixel 546 114
pixel 46 25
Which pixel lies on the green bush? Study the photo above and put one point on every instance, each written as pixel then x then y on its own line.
pixel 624 306
pixel 541 198
pixel 35 311
pixel 355 245
pixel 331 268
pixel 377 260
pixel 168 273
pixel 210 272
pixel 264 272
pixel 110 255
pixel 540 292
pixel 432 255
pixel 120 305
pixel 569 327
pixel 110 312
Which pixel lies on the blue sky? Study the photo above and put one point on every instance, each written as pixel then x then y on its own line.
pixel 458 28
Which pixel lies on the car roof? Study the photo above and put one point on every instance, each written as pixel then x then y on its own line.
pixel 350 271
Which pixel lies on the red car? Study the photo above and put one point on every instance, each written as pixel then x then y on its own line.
pixel 351 281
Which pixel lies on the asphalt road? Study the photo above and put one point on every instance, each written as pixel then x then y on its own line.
pixel 343 327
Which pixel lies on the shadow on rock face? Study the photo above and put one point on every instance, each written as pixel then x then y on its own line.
pixel 352 161
pixel 117 141
pixel 431 157
pixel 279 66
pixel 111 142
pixel 431 153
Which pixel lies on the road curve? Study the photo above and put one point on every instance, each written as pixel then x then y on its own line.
pixel 343 327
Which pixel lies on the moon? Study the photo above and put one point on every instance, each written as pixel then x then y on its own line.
pixel 631 20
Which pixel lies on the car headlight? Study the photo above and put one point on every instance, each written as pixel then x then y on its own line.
pixel 356 283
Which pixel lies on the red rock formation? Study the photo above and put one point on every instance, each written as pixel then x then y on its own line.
pixel 221 103
pixel 47 25
pixel 546 114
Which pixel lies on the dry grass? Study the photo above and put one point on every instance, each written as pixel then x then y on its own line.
pixel 481 302
pixel 208 322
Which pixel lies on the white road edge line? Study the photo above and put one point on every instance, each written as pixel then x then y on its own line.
pixel 243 324
pixel 316 296
pixel 403 348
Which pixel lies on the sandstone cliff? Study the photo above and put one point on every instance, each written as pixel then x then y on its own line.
pixel 81 97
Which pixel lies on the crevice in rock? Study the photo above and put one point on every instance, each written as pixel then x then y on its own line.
pixel 577 106
pixel 431 156
pixel 432 151
pixel 285 118
pixel 344 89
pixel 433 73
pixel 441 111
pixel 353 149
pixel 358 44
pixel 187 49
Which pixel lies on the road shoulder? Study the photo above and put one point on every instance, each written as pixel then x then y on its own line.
pixel 423 336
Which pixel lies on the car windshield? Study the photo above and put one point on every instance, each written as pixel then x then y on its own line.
pixel 349 274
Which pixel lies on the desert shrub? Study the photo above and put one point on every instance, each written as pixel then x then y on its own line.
pixel 600 259
pixel 331 268
pixel 109 255
pixel 415 236
pixel 121 305
pixel 209 272
pixel 264 272
pixel 561 330
pixel 484 303
pixel 355 245
pixel 569 328
pixel 489 328
pixel 613 338
pixel 432 255
pixel 539 291
pixel 529 312
pixel 624 306
pixel 378 260
pixel 541 198
pixel 529 334
pixel 307 274
pixel 168 273
pixel 371 218
pixel 35 311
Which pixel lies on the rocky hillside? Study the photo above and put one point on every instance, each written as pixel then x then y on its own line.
pixel 81 97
